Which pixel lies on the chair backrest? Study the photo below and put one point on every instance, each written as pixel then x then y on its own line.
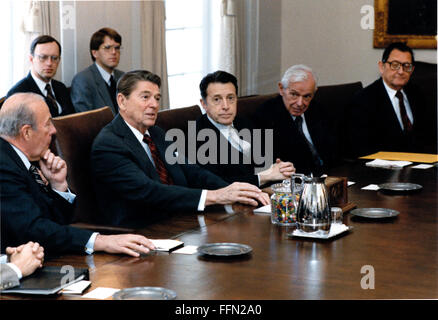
pixel 178 118
pixel 75 134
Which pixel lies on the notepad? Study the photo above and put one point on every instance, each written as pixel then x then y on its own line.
pixel 166 244
pixel 404 156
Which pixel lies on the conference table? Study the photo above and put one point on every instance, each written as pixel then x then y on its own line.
pixel 391 258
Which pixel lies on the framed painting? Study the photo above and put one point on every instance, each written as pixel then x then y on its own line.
pixel 411 21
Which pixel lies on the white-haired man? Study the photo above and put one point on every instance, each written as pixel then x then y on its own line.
pixel 301 131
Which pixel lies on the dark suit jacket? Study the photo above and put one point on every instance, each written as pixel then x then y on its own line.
pixel 30 214
pixel 373 124
pixel 128 188
pixel 288 144
pixel 61 92
pixel 229 172
pixel 89 91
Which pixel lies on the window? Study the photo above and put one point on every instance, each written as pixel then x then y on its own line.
pixel 13 52
pixel 192 28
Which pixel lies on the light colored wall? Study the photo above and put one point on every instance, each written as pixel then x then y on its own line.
pixel 327 36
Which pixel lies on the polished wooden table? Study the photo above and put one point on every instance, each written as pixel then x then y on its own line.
pixel 402 252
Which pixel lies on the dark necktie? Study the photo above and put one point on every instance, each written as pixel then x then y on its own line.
pixel 36 175
pixel 406 122
pixel 159 165
pixel 112 91
pixel 316 159
pixel 53 106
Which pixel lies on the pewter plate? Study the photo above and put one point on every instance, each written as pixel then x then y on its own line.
pixel 145 293
pixel 224 249
pixel 400 186
pixel 375 213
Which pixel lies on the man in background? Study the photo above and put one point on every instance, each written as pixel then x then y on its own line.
pixel 45 56
pixel 95 86
pixel 390 114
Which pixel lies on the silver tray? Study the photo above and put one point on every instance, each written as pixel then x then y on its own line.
pixel 145 293
pixel 224 249
pixel 400 186
pixel 375 213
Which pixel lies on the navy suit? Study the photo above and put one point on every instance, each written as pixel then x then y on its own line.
pixel 30 214
pixel 90 91
pixel 61 93
pixel 289 144
pixel 127 185
pixel 229 172
pixel 373 124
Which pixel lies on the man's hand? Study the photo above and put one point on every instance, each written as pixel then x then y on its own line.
pixel 244 193
pixel 54 170
pixel 278 171
pixel 130 244
pixel 27 257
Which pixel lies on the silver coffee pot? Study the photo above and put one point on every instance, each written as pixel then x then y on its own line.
pixel 313 213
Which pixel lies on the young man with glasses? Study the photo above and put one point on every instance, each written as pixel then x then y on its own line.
pixel 45 56
pixel 95 86
pixel 219 100
pixel 390 113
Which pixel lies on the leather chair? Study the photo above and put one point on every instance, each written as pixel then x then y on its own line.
pixel 178 118
pixel 74 137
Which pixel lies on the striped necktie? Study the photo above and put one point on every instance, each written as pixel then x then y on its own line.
pixel 406 122
pixel 159 165
pixel 34 171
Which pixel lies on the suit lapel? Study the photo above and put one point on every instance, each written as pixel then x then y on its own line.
pixel 388 109
pixel 33 86
pixel 102 87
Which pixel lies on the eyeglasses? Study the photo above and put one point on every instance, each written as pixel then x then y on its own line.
pixel 44 58
pixel 395 65
pixel 217 100
pixel 110 48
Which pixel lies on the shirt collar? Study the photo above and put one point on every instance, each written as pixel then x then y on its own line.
pixel 40 83
pixel 136 133
pixel 105 75
pixel 221 127
pixel 391 92
pixel 22 156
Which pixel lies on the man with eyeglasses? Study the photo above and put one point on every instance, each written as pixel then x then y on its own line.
pixel 390 113
pixel 95 86
pixel 302 134
pixel 45 55
pixel 219 100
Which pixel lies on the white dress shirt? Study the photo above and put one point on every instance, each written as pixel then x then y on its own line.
pixel 105 75
pixel 42 86
pixel 396 104
pixel 139 136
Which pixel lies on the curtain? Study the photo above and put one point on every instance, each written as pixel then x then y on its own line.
pixel 153 44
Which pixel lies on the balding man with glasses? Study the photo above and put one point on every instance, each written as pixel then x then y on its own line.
pixel 45 56
pixel 95 86
pixel 390 114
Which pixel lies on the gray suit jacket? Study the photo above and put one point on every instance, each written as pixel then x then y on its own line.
pixel 89 91
pixel 8 277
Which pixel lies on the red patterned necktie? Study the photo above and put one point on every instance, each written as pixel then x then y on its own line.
pixel 406 122
pixel 159 165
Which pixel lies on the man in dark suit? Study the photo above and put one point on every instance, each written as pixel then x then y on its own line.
pixel 390 114
pixel 36 204
pixel 134 180
pixel 219 100
pixel 45 54
pixel 95 86
pixel 301 132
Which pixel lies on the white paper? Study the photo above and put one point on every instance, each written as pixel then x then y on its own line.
pixel 422 166
pixel 350 183
pixel 100 293
pixel 264 209
pixel 187 250
pixel 76 288
pixel 387 163
pixel 372 187
pixel 165 244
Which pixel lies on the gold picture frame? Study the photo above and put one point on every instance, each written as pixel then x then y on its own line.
pixel 382 38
